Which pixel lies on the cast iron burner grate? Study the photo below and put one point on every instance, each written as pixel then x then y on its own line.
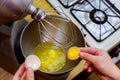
pixel 99 17
pixel 68 3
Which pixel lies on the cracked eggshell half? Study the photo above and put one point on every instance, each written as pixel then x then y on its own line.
pixel 33 62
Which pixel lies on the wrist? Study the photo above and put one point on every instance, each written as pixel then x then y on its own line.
pixel 117 76
pixel 114 72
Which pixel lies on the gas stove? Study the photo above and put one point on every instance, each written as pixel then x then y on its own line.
pixel 99 20
pixel 99 17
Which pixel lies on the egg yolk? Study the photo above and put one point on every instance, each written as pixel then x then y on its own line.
pixel 73 53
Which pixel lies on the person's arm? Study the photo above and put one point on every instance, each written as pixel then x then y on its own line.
pixel 24 74
pixel 99 61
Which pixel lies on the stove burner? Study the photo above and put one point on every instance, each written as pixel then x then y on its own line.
pixel 98 16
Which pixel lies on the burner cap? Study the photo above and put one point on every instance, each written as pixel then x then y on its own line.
pixel 98 16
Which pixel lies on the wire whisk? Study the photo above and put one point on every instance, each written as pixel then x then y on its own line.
pixel 57 29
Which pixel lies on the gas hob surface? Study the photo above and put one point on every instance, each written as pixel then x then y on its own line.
pixel 99 19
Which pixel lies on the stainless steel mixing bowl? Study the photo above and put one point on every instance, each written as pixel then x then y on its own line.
pixel 55 29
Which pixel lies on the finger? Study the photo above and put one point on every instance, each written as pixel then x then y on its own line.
pixel 19 72
pixel 89 50
pixel 87 57
pixel 30 74
pixel 90 69
pixel 23 76
pixel 86 65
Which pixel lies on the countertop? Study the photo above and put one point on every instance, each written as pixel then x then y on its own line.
pixel 44 5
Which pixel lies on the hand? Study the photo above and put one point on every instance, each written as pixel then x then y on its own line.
pixel 99 61
pixel 24 74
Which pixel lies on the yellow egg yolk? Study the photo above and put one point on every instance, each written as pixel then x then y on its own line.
pixel 73 53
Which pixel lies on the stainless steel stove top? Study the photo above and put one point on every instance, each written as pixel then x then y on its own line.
pixel 68 3
pixel 99 19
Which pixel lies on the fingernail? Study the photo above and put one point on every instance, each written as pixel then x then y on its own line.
pixel 30 70
pixel 85 67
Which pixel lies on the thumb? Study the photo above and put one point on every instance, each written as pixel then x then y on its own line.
pixel 30 74
pixel 87 56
